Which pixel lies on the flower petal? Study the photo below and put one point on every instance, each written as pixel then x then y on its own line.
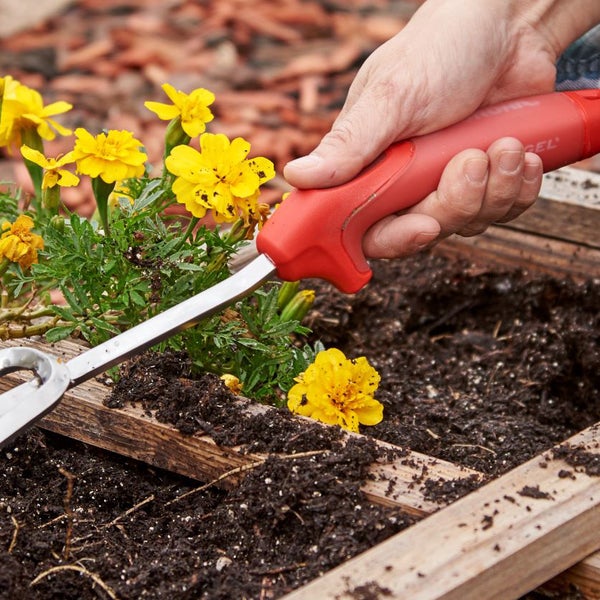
pixel 166 112
pixel 34 156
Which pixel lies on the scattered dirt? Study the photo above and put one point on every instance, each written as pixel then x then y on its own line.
pixel 484 368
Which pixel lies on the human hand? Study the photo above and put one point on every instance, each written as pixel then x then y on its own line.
pixel 477 188
pixel 453 57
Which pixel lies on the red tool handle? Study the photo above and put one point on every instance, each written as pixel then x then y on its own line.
pixel 318 233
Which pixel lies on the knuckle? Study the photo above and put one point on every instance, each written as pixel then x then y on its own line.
pixel 473 229
pixel 342 134
pixel 458 206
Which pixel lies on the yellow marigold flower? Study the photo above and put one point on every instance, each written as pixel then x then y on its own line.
pixel 219 178
pixel 2 87
pixel 18 244
pixel 337 391
pixel 112 156
pixel 23 110
pixel 191 108
pixel 54 174
pixel 232 382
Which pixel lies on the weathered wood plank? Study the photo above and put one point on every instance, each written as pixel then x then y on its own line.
pixel 129 431
pixel 585 575
pixel 504 246
pixel 568 208
pixel 499 542
pixel 574 186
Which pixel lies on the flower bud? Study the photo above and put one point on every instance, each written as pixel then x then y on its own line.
pixel 175 135
pixel 298 306
pixel 238 232
pixel 57 222
pixel 51 198
pixel 286 292
pixel 30 137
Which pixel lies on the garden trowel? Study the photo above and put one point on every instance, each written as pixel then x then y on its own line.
pixel 318 233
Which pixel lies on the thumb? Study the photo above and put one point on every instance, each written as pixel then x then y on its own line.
pixel 356 138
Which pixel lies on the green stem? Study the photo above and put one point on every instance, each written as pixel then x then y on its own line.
pixel 2 87
pixel 188 233
pixel 237 232
pixel 19 314
pixel 102 191
pixel 8 332
pixel 30 137
pixel 51 199
pixel 175 136
pixel 4 264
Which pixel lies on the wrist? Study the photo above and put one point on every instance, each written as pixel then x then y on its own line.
pixel 560 21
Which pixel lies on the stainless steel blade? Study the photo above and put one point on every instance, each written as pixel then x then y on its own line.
pixel 175 319
pixel 29 401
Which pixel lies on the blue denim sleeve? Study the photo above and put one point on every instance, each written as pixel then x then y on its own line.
pixel 579 66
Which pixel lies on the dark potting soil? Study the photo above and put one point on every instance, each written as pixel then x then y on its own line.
pixel 482 368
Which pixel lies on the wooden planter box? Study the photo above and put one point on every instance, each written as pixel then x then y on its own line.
pixel 493 543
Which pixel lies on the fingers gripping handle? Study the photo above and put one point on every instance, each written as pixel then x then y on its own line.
pixel 318 233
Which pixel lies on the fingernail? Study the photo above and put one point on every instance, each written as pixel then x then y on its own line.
pixel 510 160
pixel 424 240
pixel 531 171
pixel 310 161
pixel 475 170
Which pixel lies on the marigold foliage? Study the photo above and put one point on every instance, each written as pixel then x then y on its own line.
pixel 337 391
pixel 133 259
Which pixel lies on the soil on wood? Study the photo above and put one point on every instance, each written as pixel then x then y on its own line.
pixel 483 368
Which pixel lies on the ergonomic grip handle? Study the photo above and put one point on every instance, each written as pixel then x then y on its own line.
pixel 318 232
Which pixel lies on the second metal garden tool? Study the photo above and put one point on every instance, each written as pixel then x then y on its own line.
pixel 318 233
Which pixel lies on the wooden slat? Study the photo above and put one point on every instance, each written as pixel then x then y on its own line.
pixel 585 575
pixel 495 543
pixel 505 246
pixel 129 431
pixel 568 208
pixel 558 235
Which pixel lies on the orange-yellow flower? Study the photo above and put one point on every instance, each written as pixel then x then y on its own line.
pixel 219 178
pixel 54 174
pixel 192 108
pixel 232 382
pixel 112 156
pixel 18 244
pixel 23 110
pixel 337 391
